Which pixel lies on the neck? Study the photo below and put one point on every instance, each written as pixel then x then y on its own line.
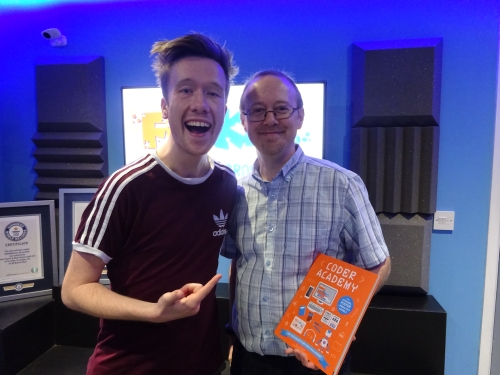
pixel 183 164
pixel 270 165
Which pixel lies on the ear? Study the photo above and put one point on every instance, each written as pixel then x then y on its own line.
pixel 164 109
pixel 243 120
pixel 300 113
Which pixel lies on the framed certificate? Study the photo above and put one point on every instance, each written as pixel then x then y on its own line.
pixel 28 264
pixel 72 203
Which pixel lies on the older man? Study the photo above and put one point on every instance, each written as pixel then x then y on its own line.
pixel 289 209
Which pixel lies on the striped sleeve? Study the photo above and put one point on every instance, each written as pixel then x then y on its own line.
pixel 96 217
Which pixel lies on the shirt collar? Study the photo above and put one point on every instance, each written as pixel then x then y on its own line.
pixel 186 180
pixel 288 168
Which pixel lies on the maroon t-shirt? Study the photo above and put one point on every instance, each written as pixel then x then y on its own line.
pixel 161 234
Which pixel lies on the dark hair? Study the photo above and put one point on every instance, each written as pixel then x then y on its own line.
pixel 276 73
pixel 168 52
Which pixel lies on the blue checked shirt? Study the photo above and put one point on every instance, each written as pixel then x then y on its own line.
pixel 277 228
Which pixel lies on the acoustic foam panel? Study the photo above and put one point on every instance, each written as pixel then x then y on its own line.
pixel 396 90
pixel 399 167
pixel 396 83
pixel 408 239
pixel 71 142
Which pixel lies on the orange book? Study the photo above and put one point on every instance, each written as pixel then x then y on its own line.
pixel 324 314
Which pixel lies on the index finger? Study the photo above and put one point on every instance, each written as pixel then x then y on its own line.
pixel 203 291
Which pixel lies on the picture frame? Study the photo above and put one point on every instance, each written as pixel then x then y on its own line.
pixel 72 203
pixel 28 256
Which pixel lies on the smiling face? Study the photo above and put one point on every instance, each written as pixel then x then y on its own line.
pixel 195 105
pixel 273 138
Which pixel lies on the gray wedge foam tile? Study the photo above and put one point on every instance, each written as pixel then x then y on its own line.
pixel 408 239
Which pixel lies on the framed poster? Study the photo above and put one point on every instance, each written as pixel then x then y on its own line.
pixel 72 203
pixel 28 264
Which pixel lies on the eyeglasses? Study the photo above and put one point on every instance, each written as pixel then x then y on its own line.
pixel 281 112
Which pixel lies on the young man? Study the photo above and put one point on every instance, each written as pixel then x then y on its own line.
pixel 289 209
pixel 154 224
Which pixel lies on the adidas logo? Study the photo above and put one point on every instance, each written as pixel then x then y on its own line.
pixel 220 232
pixel 221 222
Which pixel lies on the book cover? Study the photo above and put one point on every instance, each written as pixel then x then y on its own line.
pixel 324 314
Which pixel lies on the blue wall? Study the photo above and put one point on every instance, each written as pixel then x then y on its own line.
pixel 313 40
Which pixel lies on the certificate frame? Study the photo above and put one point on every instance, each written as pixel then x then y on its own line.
pixel 45 243
pixel 68 201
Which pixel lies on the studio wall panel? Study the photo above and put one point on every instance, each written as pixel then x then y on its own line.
pixel 396 99
pixel 397 83
pixel 408 238
pixel 71 141
pixel 399 167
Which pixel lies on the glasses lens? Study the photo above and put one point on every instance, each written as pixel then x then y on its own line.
pixel 256 114
pixel 283 111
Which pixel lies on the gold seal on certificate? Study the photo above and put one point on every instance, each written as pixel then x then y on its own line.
pixel 21 256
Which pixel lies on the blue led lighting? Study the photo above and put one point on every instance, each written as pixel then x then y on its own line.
pixel 41 3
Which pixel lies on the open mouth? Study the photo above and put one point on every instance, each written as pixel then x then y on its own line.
pixel 197 127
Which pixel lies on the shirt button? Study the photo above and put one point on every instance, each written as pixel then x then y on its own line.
pixel 264 299
pixel 273 197
pixel 268 263
pixel 271 229
pixel 287 178
pixel 268 333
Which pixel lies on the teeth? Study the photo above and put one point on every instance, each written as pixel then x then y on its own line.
pixel 197 123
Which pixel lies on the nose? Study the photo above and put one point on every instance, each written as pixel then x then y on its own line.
pixel 270 120
pixel 199 102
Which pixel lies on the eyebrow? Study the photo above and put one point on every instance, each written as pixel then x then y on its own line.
pixel 190 81
pixel 274 104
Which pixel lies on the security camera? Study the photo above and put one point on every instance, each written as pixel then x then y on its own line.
pixel 51 33
pixel 55 37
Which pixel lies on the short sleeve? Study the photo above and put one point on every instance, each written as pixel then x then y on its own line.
pixel 362 232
